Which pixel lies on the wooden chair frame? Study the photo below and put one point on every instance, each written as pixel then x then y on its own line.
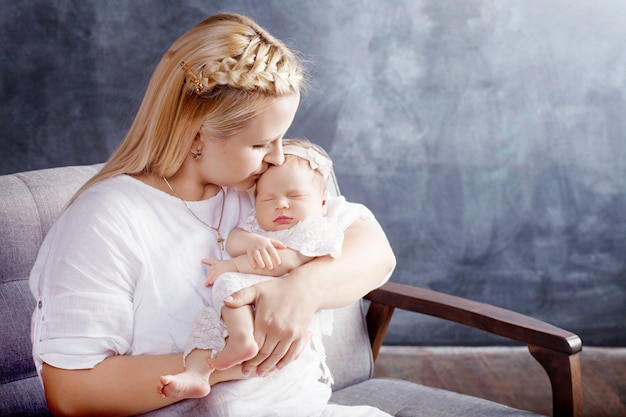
pixel 557 350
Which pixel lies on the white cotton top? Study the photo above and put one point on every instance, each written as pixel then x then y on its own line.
pixel 120 271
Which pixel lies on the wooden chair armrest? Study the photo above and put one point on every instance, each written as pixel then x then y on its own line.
pixel 482 316
pixel 554 348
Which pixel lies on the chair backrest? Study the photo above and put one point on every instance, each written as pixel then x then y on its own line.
pixel 29 203
pixel 348 350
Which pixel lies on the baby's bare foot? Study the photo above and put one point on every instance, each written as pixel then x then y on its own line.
pixel 184 385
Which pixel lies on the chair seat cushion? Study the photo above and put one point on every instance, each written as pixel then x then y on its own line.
pixel 406 399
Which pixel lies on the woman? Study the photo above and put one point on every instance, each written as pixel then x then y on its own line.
pixel 119 279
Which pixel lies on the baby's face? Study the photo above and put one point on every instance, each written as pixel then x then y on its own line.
pixel 288 194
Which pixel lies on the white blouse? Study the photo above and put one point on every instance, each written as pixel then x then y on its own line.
pixel 120 271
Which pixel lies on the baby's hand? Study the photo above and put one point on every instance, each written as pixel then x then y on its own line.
pixel 217 268
pixel 262 252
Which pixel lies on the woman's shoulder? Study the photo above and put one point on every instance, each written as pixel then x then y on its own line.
pixel 125 187
pixel 117 195
pixel 120 184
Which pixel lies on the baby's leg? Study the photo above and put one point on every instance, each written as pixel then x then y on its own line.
pixel 193 382
pixel 240 343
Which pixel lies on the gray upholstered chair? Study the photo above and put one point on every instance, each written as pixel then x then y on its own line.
pixel 31 201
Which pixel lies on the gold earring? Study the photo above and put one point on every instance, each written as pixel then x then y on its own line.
pixel 197 155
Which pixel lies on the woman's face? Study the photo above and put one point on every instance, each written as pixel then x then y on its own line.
pixel 239 160
pixel 288 194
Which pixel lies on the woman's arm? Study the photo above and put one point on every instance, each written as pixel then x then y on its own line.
pixel 285 307
pixel 117 386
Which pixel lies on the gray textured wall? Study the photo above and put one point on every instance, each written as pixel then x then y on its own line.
pixel 487 136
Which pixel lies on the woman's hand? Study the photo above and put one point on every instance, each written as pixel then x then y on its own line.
pixel 284 311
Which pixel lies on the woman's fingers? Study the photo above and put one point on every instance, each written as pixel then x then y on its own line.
pixel 275 352
pixel 294 352
pixel 267 358
pixel 245 296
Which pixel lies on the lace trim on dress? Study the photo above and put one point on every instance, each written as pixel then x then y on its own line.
pixel 314 236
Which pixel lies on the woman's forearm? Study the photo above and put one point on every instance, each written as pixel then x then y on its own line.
pixel 118 386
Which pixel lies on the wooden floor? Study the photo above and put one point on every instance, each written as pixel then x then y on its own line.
pixel 509 375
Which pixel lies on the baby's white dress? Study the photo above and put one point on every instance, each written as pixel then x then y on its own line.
pixel 303 387
pixel 314 236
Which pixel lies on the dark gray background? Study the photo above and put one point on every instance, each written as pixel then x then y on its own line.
pixel 487 136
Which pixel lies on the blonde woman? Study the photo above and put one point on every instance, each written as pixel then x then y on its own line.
pixel 119 276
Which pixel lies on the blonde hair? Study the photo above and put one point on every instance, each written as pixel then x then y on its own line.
pixel 217 76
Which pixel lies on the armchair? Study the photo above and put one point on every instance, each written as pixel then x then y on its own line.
pixel 31 201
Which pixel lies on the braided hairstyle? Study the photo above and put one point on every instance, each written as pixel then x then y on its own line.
pixel 256 62
pixel 217 76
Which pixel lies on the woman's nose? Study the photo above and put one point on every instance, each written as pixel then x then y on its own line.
pixel 275 155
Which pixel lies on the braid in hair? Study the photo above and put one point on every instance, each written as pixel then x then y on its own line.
pixel 262 65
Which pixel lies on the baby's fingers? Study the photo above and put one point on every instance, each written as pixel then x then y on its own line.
pixel 210 279
pixel 278 244
pixel 212 274
pixel 274 256
pixel 255 259
pixel 267 259
pixel 210 261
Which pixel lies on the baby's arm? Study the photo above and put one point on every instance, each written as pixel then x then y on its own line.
pixel 290 259
pixel 263 254
pixel 262 251
pixel 255 254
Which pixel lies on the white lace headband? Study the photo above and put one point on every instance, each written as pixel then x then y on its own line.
pixel 316 160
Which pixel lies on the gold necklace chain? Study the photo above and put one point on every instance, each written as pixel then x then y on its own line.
pixel 220 239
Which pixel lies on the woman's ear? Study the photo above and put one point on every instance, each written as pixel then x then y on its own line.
pixel 196 146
